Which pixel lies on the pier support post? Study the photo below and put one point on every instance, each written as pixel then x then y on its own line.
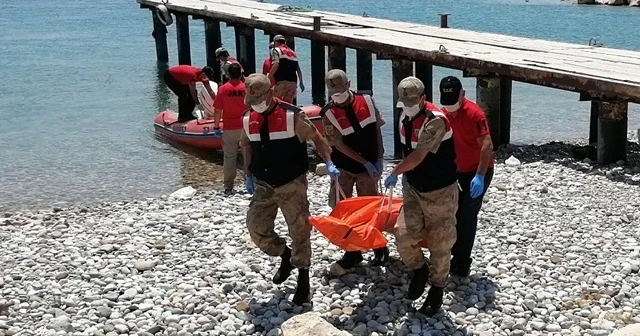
pixel 364 65
pixel 593 123
pixel 506 86
pixel 400 69
pixel 424 72
pixel 182 34
pixel 246 48
pixel 337 58
pixel 160 36
pixel 213 41
pixel 612 131
pixel 318 71
pixel 488 98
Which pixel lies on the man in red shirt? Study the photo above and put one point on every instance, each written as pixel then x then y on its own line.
pixel 474 158
pixel 181 79
pixel 266 65
pixel 229 105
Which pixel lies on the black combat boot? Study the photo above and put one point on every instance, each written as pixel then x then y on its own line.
pixel 460 267
pixel 418 282
pixel 380 256
pixel 350 259
pixel 433 302
pixel 303 288
pixel 283 272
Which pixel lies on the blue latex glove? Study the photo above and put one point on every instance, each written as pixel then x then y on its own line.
pixel 379 166
pixel 371 169
pixel 477 186
pixel 390 181
pixel 301 87
pixel 217 133
pixel 331 168
pixel 250 184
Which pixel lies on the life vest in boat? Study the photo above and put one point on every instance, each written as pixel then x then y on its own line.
pixel 288 65
pixel 277 154
pixel 437 170
pixel 358 126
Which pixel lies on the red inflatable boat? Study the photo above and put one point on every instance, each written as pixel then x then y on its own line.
pixel 199 133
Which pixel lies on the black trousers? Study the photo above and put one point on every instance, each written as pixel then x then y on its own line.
pixel 186 102
pixel 467 220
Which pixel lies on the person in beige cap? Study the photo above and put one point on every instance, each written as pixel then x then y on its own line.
pixel 285 70
pixel 352 124
pixel 274 143
pixel 430 193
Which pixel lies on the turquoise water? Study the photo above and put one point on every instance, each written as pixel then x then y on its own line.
pixel 79 89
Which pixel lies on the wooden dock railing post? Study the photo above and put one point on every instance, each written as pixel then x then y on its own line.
pixel 400 69
pixel 182 34
pixel 364 65
pixel 506 86
pixel 213 41
pixel 444 20
pixel 488 98
pixel 160 36
pixel 337 58
pixel 424 71
pixel 612 131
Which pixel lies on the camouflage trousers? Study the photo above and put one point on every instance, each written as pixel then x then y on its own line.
pixel 365 185
pixel 434 214
pixel 292 200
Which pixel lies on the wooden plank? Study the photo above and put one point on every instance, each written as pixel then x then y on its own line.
pixel 555 64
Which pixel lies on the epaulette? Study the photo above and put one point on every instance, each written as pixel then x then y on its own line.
pixel 364 92
pixel 289 107
pixel 326 108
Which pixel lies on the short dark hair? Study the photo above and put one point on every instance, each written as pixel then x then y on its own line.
pixel 235 71
pixel 208 71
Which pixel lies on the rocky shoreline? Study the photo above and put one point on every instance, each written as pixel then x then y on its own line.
pixel 557 253
pixel 631 3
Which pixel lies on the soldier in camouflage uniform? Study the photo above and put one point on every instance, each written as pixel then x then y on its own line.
pixel 430 193
pixel 274 144
pixel 352 124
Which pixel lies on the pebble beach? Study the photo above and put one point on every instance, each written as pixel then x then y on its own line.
pixel 557 253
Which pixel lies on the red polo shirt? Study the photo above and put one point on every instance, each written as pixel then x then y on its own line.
pixel 185 74
pixel 468 124
pixel 266 67
pixel 230 99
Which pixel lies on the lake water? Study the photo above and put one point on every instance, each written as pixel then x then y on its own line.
pixel 80 87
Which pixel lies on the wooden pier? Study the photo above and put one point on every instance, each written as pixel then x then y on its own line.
pixel 609 78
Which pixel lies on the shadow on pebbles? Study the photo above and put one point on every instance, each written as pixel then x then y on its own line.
pixel 557 253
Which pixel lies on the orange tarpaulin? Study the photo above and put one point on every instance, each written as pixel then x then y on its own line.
pixel 356 224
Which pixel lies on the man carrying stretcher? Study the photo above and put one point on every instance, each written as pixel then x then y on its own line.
pixel 430 193
pixel 352 127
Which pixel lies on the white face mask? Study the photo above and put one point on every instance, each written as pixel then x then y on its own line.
pixel 260 108
pixel 452 108
pixel 411 111
pixel 340 97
